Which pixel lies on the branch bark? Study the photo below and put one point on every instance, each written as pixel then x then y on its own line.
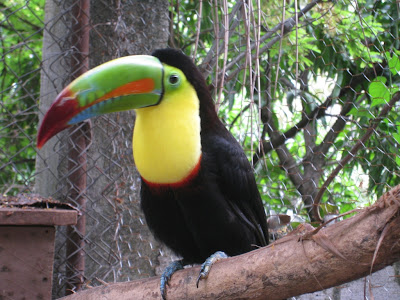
pixel 302 262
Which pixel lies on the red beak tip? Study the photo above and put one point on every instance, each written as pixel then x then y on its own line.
pixel 41 140
pixel 57 117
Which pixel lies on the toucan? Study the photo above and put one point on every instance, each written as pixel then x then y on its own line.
pixel 198 191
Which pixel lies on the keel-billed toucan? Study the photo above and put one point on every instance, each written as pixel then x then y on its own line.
pixel 198 192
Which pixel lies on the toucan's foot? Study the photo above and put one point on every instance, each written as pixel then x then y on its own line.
pixel 167 274
pixel 206 266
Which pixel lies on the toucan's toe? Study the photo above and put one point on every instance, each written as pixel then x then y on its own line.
pixel 167 274
pixel 206 266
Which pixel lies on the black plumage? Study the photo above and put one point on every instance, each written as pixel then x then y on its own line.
pixel 220 209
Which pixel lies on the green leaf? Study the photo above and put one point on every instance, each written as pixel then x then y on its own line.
pixel 378 91
pixel 397 137
pixel 328 208
pixel 394 63
pixel 345 207
pixel 361 112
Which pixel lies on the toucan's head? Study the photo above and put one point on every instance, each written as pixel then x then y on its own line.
pixel 126 83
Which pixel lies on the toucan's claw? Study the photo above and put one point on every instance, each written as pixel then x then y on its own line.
pixel 167 274
pixel 206 266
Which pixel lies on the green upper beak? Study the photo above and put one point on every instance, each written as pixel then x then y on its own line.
pixel 122 84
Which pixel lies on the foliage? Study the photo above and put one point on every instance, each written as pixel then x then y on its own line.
pixel 343 52
pixel 21 25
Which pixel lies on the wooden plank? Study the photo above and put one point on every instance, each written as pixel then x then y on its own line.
pixel 37 216
pixel 26 262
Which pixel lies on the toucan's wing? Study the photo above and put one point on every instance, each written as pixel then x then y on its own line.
pixel 237 183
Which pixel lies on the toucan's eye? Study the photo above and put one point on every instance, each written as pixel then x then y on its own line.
pixel 173 79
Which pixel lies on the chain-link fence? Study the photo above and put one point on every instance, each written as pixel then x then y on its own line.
pixel 307 87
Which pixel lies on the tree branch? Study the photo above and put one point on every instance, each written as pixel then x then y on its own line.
pixel 302 262
pixel 238 116
pixel 287 26
pixel 287 162
pixel 211 59
pixel 335 130
pixel 317 113
pixel 275 142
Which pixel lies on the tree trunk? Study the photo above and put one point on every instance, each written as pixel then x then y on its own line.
pixel 118 244
pixel 54 75
pixel 305 261
pixel 50 178
pixel 125 248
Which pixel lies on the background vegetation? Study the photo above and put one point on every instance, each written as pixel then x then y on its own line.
pixel 21 32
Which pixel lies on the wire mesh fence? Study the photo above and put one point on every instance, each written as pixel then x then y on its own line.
pixel 307 87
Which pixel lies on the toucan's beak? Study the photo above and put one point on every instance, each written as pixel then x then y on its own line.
pixel 122 84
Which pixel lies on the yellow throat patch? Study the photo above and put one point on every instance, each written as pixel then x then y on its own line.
pixel 166 138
